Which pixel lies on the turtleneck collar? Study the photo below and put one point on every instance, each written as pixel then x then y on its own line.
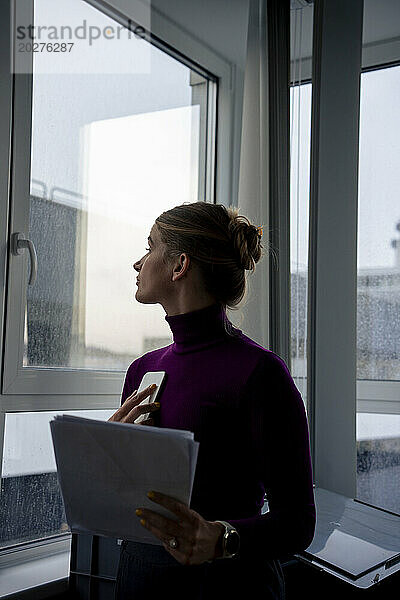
pixel 199 328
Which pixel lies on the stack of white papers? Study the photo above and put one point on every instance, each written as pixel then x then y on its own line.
pixel 105 470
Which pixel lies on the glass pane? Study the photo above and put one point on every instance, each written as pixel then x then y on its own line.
pixel 300 141
pixel 378 460
pixel 378 337
pixel 300 97
pixel 378 288
pixel 110 152
pixel 31 505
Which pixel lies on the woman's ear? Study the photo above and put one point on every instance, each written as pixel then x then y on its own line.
pixel 183 265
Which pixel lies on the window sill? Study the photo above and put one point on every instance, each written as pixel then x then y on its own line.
pixel 36 572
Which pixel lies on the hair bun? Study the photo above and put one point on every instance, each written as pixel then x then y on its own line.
pixel 246 239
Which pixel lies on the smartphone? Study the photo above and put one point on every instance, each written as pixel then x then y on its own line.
pixel 150 377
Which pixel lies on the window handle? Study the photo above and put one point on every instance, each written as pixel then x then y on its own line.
pixel 18 243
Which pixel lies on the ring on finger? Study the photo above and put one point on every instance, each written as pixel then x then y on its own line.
pixel 173 543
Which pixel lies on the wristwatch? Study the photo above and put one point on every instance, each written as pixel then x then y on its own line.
pixel 230 541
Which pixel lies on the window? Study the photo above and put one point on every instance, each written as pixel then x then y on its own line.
pixel 32 506
pixel 378 291
pixel 354 361
pixel 300 139
pixel 106 151
pixel 300 96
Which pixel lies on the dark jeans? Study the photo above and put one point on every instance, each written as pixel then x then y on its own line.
pixel 146 571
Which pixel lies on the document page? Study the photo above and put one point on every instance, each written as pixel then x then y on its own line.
pixel 105 470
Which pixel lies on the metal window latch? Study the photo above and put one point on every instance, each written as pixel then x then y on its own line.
pixel 18 243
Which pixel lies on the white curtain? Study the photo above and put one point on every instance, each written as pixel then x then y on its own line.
pixel 254 170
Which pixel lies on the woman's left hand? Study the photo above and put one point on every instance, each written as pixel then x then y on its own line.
pixel 197 539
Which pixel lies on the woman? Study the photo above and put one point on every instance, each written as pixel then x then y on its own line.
pixel 243 407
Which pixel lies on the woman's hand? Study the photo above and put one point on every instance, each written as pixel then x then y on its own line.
pixel 129 411
pixel 197 540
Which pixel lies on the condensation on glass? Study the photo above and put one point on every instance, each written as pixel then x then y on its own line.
pixel 378 291
pixel 109 153
pixel 31 506
pixel 300 138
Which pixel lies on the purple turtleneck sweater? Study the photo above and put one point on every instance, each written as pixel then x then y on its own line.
pixel 240 401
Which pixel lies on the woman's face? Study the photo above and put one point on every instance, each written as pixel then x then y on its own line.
pixel 154 276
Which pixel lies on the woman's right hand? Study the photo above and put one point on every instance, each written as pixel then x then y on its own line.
pixel 129 411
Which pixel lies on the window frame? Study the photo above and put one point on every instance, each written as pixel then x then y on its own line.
pixel 372 396
pixel 74 388
pixel 332 352
pixel 222 164
pixel 332 284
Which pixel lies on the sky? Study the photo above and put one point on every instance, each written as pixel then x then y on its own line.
pixel 379 172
